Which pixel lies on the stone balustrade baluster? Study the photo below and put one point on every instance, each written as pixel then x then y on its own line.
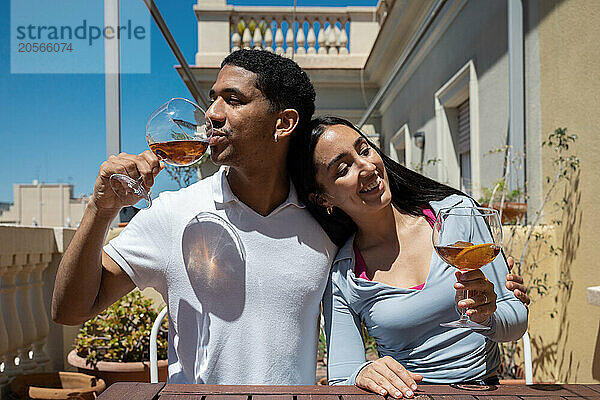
pixel 331 40
pixel 247 38
pixel 236 38
pixel 343 39
pixel 23 304
pixel 321 38
pixel 3 338
pixel 289 39
pixel 279 37
pixel 40 315
pixel 257 37
pixel 311 38
pixel 14 333
pixel 301 38
pixel 337 32
pixel 269 38
pixel 251 29
pixel 328 43
pixel 236 42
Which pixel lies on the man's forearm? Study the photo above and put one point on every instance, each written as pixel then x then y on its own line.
pixel 79 274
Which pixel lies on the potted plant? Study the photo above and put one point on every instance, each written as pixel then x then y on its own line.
pixel 512 210
pixel 115 345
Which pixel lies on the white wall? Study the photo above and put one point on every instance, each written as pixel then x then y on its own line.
pixel 478 33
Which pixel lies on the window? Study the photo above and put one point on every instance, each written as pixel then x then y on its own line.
pixel 457 131
pixel 400 148
pixel 464 146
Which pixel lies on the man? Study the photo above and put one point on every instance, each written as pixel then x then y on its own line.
pixel 237 315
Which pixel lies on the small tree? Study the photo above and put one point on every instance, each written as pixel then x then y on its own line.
pixel 538 239
pixel 185 176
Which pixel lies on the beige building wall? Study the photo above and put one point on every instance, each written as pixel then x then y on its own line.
pixel 569 35
pixel 44 205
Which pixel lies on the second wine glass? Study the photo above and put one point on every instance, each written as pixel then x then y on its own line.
pixel 467 238
pixel 178 132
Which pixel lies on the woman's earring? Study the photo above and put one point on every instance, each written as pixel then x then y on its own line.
pixel 276 138
pixel 329 210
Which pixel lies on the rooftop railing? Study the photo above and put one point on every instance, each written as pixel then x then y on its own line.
pixel 29 341
pixel 300 37
pixel 323 32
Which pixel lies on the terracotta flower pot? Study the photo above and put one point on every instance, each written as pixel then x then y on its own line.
pixel 57 385
pixel 112 372
pixel 511 212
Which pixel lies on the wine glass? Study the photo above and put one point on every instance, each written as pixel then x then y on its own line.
pixel 178 132
pixel 467 238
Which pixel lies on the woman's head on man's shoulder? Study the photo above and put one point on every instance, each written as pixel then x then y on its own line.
pixel 342 176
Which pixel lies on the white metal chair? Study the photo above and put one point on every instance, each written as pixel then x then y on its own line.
pixel 527 359
pixel 153 350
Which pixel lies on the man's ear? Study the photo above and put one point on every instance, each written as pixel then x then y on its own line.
pixel 286 122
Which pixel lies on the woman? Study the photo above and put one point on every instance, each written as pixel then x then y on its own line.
pixel 387 275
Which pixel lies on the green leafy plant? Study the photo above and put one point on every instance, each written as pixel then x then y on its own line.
pixel 322 347
pixel 121 333
pixel 498 187
pixel 370 345
pixel 566 167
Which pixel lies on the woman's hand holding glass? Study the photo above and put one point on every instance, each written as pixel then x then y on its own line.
pixel 481 303
pixel 468 238
pixel 387 376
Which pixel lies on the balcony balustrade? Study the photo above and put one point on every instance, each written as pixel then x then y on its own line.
pixel 333 36
pixel 311 35
pixel 29 341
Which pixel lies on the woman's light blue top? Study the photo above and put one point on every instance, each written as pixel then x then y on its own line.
pixel 405 323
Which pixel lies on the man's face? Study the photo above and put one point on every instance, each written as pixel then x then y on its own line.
pixel 244 126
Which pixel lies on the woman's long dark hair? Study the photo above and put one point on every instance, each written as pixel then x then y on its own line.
pixel 410 190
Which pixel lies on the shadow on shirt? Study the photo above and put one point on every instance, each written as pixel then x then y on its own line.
pixel 215 262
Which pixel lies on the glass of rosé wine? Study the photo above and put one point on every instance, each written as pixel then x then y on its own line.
pixel 178 132
pixel 467 238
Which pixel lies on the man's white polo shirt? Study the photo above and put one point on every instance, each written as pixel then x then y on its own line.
pixel 236 315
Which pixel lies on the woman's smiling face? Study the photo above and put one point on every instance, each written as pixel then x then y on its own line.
pixel 350 171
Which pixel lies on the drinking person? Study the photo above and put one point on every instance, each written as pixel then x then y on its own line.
pixel 240 316
pixel 387 275
pixel 232 320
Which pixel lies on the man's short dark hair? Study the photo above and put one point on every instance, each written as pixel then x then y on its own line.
pixel 281 80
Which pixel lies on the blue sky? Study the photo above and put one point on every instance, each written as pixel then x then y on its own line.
pixel 52 125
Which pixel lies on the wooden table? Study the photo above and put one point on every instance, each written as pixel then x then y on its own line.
pixel 161 391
